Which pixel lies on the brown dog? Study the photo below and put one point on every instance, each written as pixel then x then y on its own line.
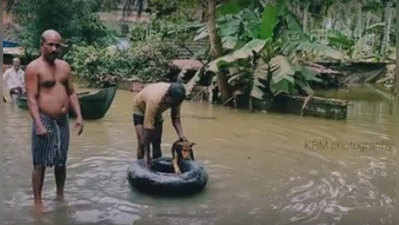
pixel 181 150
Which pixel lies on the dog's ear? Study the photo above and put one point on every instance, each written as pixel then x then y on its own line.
pixel 192 144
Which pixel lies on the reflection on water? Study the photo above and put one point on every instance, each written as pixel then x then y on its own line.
pixel 260 171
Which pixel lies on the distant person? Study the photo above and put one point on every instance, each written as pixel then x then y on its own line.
pixel 50 95
pixel 14 80
pixel 148 106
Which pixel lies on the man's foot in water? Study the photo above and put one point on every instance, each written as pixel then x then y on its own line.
pixel 39 207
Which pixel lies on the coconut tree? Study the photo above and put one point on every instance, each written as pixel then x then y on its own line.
pixel 388 15
pixel 216 49
pixel 397 55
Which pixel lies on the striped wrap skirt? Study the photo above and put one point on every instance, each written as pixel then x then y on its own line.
pixel 51 149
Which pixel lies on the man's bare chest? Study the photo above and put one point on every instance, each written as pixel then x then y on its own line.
pixel 50 77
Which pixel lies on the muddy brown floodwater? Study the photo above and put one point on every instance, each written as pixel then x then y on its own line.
pixel 264 168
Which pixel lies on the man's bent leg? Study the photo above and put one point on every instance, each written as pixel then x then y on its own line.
pixel 156 143
pixel 38 173
pixel 60 175
pixel 140 141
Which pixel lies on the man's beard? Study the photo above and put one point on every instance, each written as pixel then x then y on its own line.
pixel 52 56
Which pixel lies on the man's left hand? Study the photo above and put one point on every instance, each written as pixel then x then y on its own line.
pixel 79 126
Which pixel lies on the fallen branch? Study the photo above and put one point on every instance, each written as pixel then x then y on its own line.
pixel 305 103
pixel 228 100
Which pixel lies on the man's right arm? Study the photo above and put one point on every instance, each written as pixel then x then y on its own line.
pixel 32 91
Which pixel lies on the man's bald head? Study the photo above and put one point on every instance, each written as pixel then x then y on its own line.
pixel 51 44
pixel 16 62
pixel 49 34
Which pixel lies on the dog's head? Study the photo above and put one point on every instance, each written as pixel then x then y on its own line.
pixel 184 149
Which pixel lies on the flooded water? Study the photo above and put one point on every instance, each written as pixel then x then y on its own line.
pixel 264 168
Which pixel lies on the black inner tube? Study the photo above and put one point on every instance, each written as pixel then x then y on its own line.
pixel 162 180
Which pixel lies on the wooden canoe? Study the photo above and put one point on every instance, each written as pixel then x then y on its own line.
pixel 317 106
pixel 94 105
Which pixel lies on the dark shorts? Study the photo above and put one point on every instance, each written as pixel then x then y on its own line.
pixel 51 149
pixel 139 120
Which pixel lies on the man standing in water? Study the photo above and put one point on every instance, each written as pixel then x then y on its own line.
pixel 14 80
pixel 50 94
pixel 148 106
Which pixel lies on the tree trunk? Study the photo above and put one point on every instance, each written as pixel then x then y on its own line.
pixel 204 9
pixel 305 17
pixel 359 28
pixel 387 29
pixel 214 39
pixel 216 49
pixel 397 56
pixel 1 49
pixel 127 9
pixel 368 18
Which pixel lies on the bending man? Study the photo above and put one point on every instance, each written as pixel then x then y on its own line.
pixel 148 106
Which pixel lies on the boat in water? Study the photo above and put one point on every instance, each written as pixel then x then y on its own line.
pixel 93 105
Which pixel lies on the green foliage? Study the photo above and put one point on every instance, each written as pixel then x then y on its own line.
pixel 233 7
pixel 246 51
pixel 297 44
pixel 289 78
pixel 74 19
pixel 93 63
pixel 270 75
pixel 269 21
pixel 339 40
pixel 240 74
pixel 163 7
pixel 238 29
pixel 162 29
pixel 306 49
pixel 152 59
pixel 240 68
pixel 148 61
pixel 174 11
pixel 108 5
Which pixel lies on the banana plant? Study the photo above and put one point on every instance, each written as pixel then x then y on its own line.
pixel 266 65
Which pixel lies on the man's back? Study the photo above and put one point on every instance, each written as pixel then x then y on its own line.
pixel 151 95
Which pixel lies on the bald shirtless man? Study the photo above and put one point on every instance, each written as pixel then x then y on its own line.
pixel 50 94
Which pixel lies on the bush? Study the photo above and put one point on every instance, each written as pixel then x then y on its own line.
pixel 152 60
pixel 164 30
pixel 75 20
pixel 149 61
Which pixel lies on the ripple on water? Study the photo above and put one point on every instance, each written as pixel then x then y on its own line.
pixel 335 194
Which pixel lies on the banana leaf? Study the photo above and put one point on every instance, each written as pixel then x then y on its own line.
pixel 282 76
pixel 260 74
pixel 269 21
pixel 244 52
